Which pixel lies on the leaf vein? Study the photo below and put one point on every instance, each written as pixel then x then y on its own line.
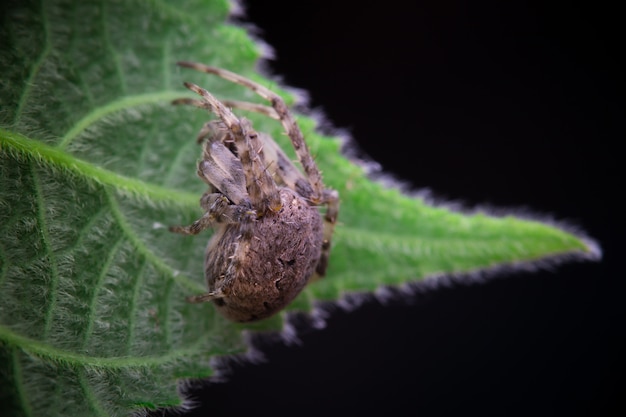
pixel 159 264
pixel 166 313
pixel 124 103
pixel 19 382
pixel 146 146
pixel 29 84
pixel 97 287
pixel 85 386
pixel 176 161
pixel 54 273
pixel 109 45
pixel 133 305
pixel 53 354
pixel 33 149
pixel 85 230
pixel 166 62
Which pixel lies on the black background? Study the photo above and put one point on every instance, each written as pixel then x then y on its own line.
pixel 512 104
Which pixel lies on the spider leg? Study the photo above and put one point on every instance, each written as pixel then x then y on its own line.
pixel 253 107
pixel 236 104
pixel 203 298
pixel 331 198
pixel 218 211
pixel 295 134
pixel 273 156
pixel 222 170
pixel 259 183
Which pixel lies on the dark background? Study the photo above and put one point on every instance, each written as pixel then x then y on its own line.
pixel 512 104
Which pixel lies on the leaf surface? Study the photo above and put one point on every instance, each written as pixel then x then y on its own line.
pixel 95 164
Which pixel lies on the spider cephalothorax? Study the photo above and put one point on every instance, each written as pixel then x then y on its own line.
pixel 270 238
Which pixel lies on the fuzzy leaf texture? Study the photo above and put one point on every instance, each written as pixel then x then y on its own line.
pixel 95 164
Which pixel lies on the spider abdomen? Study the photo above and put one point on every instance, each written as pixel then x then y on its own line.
pixel 269 236
pixel 261 267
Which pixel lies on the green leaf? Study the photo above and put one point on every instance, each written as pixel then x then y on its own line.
pixel 95 163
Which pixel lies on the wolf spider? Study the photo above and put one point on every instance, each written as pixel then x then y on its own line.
pixel 269 237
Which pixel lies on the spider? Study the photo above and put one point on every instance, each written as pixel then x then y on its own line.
pixel 270 238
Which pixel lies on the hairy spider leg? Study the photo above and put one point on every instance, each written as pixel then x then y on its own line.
pixel 259 183
pixel 272 154
pixel 220 169
pixel 287 172
pixel 203 298
pixel 291 127
pixel 223 172
pixel 218 210
pixel 331 198
pixel 242 105
pixel 239 179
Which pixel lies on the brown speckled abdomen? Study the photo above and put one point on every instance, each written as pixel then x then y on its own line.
pixel 273 260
